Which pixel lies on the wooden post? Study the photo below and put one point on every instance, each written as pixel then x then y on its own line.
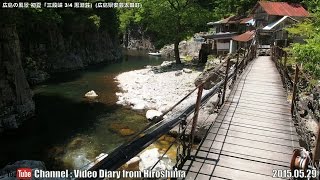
pixel 237 68
pixel 246 55
pixel 274 53
pixel 285 59
pixel 225 81
pixel 195 117
pixel 295 86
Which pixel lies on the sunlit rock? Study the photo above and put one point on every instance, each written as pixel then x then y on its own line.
pixel 140 106
pixel 151 114
pixel 185 70
pixel 133 164
pixel 150 157
pixel 166 63
pixel 91 94
pixel 178 73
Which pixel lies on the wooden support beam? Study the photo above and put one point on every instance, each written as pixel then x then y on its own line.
pixel 236 68
pixel 294 93
pixel 285 59
pixel 225 81
pixel 195 117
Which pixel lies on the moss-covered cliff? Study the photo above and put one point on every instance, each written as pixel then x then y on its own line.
pixel 16 102
pixel 37 42
pixel 68 39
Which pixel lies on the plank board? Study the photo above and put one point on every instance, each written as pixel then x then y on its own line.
pixel 253 134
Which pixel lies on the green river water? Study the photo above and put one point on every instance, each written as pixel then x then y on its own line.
pixel 68 129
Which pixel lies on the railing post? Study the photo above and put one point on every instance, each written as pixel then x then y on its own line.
pixel 225 81
pixel 295 86
pixel 272 53
pixel 195 117
pixel 237 68
pixel 285 59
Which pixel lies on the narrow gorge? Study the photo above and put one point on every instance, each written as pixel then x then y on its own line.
pixel 38 43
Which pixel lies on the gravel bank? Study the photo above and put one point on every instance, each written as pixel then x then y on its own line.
pixel 147 89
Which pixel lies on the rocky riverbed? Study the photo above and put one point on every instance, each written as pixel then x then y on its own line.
pixel 157 89
pixel 160 87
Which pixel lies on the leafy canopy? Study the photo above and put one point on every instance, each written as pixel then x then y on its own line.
pixel 308 52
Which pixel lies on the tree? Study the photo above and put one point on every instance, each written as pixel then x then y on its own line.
pixel 307 53
pixel 174 20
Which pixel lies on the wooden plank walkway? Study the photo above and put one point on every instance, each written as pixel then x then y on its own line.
pixel 253 133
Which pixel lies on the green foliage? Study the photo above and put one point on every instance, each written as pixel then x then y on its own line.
pixel 169 20
pixel 95 20
pixel 308 52
pixel 313 5
pixel 129 16
pixel 41 16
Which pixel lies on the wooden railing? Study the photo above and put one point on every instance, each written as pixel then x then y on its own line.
pixel 159 127
pixel 299 87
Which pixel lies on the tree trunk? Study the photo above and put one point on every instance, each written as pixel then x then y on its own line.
pixel 176 52
pixel 126 38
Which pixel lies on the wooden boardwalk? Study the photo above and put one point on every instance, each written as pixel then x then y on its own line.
pixel 253 134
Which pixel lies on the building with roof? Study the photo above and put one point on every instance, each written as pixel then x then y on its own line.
pixel 266 12
pixel 224 30
pixel 272 17
pixel 244 40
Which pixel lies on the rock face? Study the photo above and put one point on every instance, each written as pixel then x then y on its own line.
pixel 136 38
pixel 16 102
pixel 76 50
pixel 186 48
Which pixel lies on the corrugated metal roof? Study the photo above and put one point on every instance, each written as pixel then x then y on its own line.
pixel 284 9
pixel 245 37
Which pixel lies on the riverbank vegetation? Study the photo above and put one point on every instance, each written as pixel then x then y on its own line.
pixel 170 22
pixel 307 52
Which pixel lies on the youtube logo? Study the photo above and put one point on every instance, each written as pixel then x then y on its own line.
pixel 24 173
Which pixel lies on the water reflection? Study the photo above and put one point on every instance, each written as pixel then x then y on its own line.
pixel 70 130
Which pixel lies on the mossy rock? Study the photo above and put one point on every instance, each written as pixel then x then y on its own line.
pixel 169 139
pixel 76 143
pixel 126 132
pixel 115 127
pixel 56 151
pixel 162 138
pixel 163 142
pixel 121 129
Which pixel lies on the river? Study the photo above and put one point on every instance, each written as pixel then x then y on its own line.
pixel 68 129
